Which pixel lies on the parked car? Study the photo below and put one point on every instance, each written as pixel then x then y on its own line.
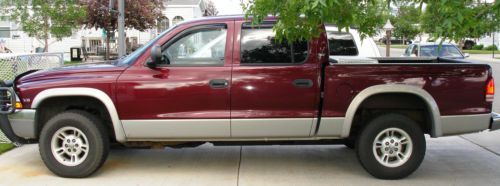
pixel 350 44
pixel 395 41
pixel 446 50
pixel 249 89
pixel 468 44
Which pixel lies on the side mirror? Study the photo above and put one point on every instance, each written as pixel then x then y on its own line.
pixel 466 55
pixel 155 56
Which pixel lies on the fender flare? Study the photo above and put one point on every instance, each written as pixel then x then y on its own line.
pixel 90 92
pixel 436 128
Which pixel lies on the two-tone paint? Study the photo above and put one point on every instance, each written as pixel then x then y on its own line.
pixel 260 102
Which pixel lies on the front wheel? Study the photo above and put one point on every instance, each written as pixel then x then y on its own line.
pixel 391 146
pixel 74 144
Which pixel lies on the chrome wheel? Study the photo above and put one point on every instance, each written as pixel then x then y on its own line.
pixel 69 146
pixel 392 147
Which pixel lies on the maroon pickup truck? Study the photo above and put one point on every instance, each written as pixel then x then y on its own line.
pixel 224 81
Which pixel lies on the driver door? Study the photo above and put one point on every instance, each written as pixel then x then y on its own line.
pixel 187 95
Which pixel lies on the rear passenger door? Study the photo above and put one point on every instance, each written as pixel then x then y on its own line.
pixel 274 87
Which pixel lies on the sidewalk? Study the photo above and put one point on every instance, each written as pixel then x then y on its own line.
pixel 448 161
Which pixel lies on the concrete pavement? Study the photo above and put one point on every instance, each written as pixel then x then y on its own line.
pixel 449 161
pixel 484 58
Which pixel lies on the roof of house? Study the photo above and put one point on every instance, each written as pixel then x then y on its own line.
pixel 182 2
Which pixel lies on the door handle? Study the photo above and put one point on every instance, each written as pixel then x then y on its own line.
pixel 218 83
pixel 303 83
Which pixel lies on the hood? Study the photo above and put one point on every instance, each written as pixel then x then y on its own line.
pixel 70 71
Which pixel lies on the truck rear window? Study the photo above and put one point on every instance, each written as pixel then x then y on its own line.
pixel 341 44
pixel 258 46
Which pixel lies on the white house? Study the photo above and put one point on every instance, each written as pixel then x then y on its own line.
pixel 175 11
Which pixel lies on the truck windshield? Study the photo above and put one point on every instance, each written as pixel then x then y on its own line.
pixel 129 59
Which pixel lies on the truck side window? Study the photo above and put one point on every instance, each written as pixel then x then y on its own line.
pixel 259 46
pixel 341 44
pixel 198 47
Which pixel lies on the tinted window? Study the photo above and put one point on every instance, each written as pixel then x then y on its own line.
pixel 199 47
pixel 341 44
pixel 258 45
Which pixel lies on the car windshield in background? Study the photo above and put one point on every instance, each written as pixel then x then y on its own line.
pixel 445 51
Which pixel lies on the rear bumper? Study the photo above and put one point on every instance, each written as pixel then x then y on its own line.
pixel 495 121
pixel 19 126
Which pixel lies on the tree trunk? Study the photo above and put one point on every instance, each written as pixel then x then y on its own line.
pixel 108 37
pixel 46 34
pixel 461 45
pixel 46 45
pixel 404 40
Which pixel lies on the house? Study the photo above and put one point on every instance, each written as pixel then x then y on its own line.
pixel 94 40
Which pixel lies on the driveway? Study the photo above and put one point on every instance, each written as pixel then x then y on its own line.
pixel 449 161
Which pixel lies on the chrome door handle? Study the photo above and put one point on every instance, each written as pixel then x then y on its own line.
pixel 218 83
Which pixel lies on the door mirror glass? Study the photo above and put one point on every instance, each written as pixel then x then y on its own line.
pixel 466 55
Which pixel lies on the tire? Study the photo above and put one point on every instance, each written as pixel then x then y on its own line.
pixel 72 159
pixel 398 160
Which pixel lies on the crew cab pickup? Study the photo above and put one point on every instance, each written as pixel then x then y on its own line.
pixel 225 81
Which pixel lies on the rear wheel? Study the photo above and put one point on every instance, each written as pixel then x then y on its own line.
pixel 74 144
pixel 391 146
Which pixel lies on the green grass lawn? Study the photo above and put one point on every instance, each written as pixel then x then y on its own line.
pixel 4 147
pixel 72 62
pixel 480 52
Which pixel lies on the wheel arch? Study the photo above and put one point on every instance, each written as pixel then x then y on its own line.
pixel 436 129
pixel 89 92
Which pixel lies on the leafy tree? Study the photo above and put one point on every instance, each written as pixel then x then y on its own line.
pixel 300 19
pixel 406 22
pixel 45 18
pixel 210 9
pixel 457 20
pixel 139 15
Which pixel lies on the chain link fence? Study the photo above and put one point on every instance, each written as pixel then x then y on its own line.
pixel 12 65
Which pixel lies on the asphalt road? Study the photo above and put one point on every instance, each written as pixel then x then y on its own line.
pixel 460 160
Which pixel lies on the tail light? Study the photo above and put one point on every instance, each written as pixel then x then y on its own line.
pixel 490 90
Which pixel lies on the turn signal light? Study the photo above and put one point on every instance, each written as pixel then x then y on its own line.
pixel 19 105
pixel 490 90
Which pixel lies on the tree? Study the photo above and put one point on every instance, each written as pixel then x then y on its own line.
pixel 457 20
pixel 406 21
pixel 300 19
pixel 45 18
pixel 139 15
pixel 210 9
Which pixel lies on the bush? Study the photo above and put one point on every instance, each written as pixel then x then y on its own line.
pixel 477 47
pixel 491 47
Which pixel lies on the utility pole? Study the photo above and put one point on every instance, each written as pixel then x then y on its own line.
pixel 493 36
pixel 388 28
pixel 121 28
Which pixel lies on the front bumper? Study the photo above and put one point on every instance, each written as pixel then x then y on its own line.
pixel 19 126
pixel 495 121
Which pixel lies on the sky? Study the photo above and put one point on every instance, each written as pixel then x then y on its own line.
pixel 228 7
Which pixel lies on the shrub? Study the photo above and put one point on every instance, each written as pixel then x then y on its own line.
pixel 477 47
pixel 491 47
